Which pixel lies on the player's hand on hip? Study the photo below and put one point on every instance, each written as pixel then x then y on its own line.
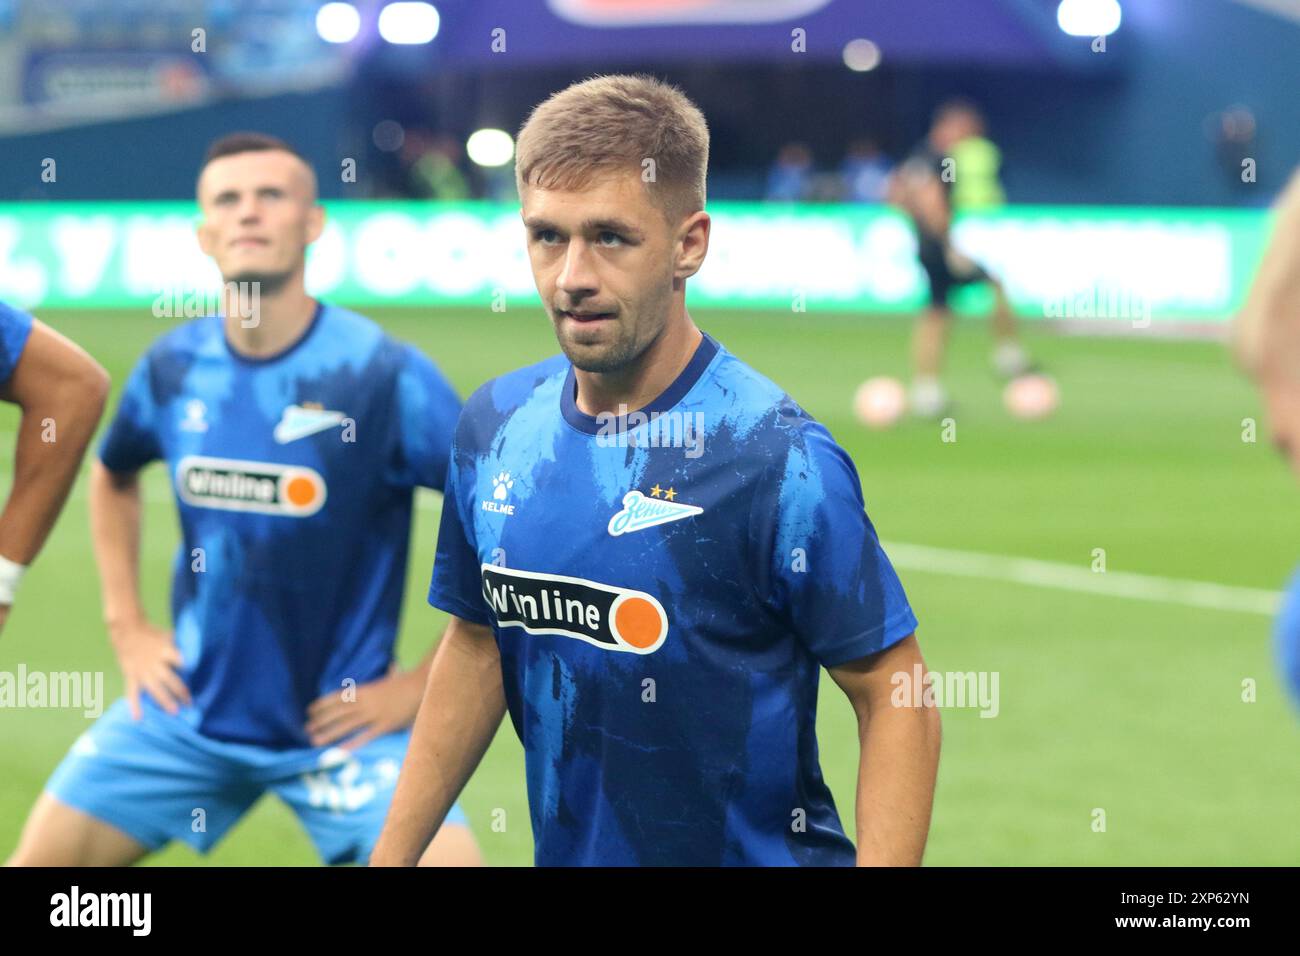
pixel 149 660
pixel 368 710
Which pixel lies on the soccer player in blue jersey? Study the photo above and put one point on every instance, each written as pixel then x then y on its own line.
pixel 294 434
pixel 1267 340
pixel 61 391
pixel 648 551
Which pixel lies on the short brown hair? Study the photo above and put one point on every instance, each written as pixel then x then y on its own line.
pixel 232 144
pixel 610 123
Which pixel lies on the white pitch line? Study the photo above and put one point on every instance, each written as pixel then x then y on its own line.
pixel 1001 567
pixel 1068 577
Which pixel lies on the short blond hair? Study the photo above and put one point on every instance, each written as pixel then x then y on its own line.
pixel 612 123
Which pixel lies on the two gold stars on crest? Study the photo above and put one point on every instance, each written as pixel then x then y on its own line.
pixel 657 492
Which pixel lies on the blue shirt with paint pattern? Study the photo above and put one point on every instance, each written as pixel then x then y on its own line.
pixel 663 593
pixel 294 478
pixel 1286 639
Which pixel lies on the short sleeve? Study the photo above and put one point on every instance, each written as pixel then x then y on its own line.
pixel 15 329
pixel 457 586
pixel 427 409
pixel 131 440
pixel 826 575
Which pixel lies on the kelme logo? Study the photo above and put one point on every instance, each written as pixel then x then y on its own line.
pixel 616 619
pixel 290 490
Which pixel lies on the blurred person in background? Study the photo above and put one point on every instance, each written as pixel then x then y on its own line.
pixel 865 172
pixel 432 163
pixel 924 186
pixel 61 391
pixel 1266 339
pixel 790 178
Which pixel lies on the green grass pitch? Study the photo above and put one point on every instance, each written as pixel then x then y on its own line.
pixel 1131 706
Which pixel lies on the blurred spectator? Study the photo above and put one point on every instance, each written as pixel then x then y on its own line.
pixel 790 176
pixel 865 172
pixel 432 163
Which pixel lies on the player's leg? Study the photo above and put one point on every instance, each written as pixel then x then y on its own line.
pixel 927 397
pixel 1009 356
pixel 342 798
pixel 59 835
pixel 128 787
pixel 929 344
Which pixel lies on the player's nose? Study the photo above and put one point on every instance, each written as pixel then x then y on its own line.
pixel 577 275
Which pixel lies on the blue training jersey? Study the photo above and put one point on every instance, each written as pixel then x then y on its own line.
pixel 15 329
pixel 294 480
pixel 662 593
pixel 1286 639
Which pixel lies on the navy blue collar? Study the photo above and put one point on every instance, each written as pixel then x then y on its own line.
pixel 291 347
pixel 670 396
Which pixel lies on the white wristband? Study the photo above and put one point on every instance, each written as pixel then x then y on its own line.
pixel 11 572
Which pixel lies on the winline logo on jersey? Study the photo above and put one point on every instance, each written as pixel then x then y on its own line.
pixel 294 491
pixel 615 619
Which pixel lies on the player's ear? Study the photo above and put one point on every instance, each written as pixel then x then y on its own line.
pixel 204 233
pixel 315 222
pixel 692 244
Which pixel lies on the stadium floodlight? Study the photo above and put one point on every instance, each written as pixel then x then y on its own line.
pixel 861 55
pixel 338 22
pixel 409 23
pixel 490 147
pixel 1088 18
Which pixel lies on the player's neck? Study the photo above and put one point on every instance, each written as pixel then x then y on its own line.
pixel 273 323
pixel 630 389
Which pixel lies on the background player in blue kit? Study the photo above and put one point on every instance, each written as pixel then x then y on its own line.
pixel 649 550
pixel 295 434
pixel 61 391
pixel 1267 340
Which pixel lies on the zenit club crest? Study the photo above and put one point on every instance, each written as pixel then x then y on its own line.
pixel 294 491
pixel 616 619
pixel 641 512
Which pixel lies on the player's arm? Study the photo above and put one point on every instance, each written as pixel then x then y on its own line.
pixel 61 391
pixel 899 757
pixel 929 204
pixel 1273 302
pixel 463 706
pixel 147 654
pixel 917 191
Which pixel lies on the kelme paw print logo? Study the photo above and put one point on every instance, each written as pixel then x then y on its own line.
pixel 501 485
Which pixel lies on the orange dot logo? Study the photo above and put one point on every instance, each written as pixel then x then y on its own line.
pixel 300 492
pixel 638 622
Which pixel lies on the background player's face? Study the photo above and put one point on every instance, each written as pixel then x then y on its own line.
pixel 954 127
pixel 259 215
pixel 603 258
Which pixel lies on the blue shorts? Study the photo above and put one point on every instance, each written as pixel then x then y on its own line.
pixel 158 779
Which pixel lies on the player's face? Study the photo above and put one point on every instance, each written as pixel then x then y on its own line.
pixel 603 261
pixel 259 215
pixel 957 126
